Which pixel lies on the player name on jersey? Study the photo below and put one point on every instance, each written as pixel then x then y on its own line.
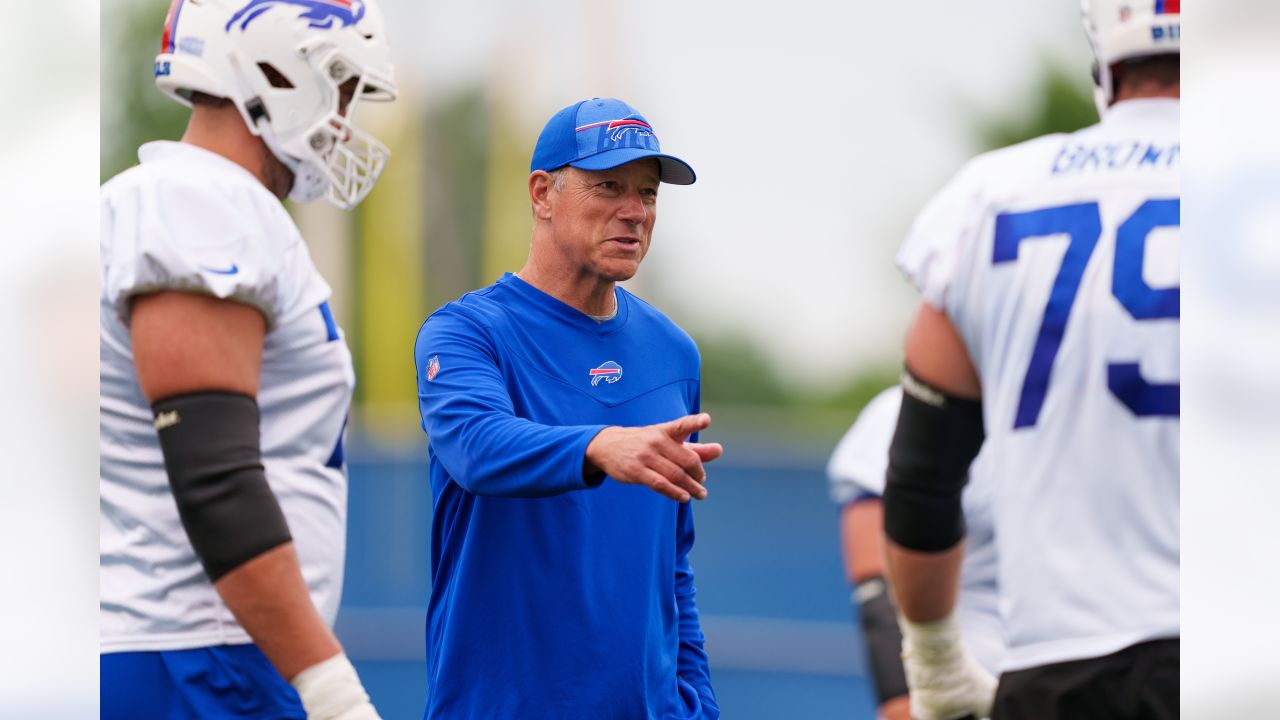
pixel 1134 154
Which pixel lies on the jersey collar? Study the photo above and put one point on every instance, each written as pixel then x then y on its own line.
pixel 1139 109
pixel 566 312
pixel 169 150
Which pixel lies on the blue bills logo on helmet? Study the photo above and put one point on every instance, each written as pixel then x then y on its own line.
pixel 321 13
pixel 609 371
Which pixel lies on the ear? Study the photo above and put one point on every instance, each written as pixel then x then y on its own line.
pixel 540 192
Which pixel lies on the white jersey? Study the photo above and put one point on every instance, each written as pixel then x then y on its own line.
pixel 1057 261
pixel 857 469
pixel 188 219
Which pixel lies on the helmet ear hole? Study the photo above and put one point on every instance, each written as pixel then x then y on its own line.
pixel 274 77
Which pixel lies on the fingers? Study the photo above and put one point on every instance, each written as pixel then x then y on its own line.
pixel 706 452
pixel 656 457
pixel 681 477
pixel 654 481
pixel 681 428
pixel 685 458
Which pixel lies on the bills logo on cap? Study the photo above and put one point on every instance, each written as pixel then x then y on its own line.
pixel 433 367
pixel 617 130
pixel 609 371
pixel 321 13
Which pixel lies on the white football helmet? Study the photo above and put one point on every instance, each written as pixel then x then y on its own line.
pixel 282 63
pixel 1124 29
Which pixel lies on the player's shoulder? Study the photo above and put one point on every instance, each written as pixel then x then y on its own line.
pixel 985 180
pixel 857 464
pixel 190 220
pixel 875 420
pixel 1011 168
pixel 884 405
pixel 166 165
pixel 192 192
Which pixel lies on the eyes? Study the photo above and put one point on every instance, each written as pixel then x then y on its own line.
pixel 613 188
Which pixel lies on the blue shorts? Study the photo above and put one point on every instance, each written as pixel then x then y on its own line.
pixel 226 681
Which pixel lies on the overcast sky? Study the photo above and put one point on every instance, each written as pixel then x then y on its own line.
pixel 817 129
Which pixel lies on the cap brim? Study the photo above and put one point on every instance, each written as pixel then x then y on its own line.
pixel 672 169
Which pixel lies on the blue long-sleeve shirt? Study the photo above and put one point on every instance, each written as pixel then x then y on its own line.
pixel 555 596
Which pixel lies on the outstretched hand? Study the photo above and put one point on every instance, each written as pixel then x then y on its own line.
pixel 655 456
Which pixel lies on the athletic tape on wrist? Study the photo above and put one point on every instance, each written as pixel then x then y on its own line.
pixel 331 690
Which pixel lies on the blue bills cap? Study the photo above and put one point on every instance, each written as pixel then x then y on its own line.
pixel 599 134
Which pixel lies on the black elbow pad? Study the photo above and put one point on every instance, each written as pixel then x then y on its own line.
pixel 936 440
pixel 214 461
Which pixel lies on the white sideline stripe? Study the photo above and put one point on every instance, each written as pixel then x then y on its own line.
pixel 811 647
pixel 734 642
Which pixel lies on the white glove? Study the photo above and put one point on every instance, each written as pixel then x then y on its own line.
pixel 331 690
pixel 945 681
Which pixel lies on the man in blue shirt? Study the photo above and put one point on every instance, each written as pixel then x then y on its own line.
pixel 563 415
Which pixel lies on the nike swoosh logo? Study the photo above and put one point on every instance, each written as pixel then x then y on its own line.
pixel 229 271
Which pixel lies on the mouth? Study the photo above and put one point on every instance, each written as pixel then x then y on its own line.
pixel 624 241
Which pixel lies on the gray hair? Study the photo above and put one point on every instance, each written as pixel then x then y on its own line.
pixel 558 176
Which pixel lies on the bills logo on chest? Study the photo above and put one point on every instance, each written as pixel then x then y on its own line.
pixel 610 372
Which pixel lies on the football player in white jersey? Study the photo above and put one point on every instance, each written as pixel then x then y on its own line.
pixel 1049 275
pixel 225 382
pixel 857 473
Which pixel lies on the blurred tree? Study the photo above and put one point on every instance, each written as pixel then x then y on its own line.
pixel 1062 102
pixel 735 371
pixel 508 218
pixel 456 159
pixel 389 273
pixel 856 391
pixel 133 110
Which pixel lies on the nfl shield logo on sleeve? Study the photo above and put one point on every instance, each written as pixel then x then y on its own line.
pixel 433 367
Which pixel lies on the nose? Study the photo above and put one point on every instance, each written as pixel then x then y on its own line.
pixel 633 209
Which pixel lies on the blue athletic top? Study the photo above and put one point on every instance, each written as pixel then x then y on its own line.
pixel 553 595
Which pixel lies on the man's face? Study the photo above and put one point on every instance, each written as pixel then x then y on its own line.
pixel 603 219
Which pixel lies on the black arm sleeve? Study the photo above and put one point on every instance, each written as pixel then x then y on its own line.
pixel 937 438
pixel 214 461
pixel 879 620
